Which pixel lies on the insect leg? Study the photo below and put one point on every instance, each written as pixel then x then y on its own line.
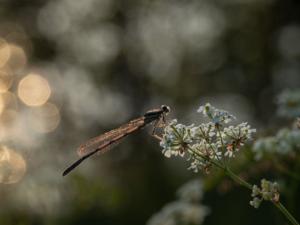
pixel 155 125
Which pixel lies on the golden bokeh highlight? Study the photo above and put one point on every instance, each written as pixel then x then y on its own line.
pixel 6 79
pixel 18 59
pixel 20 38
pixel 2 105
pixel 5 52
pixel 46 118
pixel 12 166
pixel 8 115
pixel 34 90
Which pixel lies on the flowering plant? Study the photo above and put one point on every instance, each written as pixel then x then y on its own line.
pixel 214 144
pixel 208 143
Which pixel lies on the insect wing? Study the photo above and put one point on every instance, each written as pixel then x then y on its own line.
pixel 103 141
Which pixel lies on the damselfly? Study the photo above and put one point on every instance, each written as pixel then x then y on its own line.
pixel 104 142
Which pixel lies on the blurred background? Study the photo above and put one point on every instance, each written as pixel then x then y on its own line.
pixel 71 69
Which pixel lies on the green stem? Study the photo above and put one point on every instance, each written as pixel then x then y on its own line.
pixel 279 205
pixel 225 161
pixel 286 213
pixel 205 158
pixel 242 182
pixel 237 179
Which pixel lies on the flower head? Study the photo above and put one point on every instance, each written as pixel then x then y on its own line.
pixel 184 211
pixel 191 191
pixel 235 137
pixel 208 142
pixel 175 139
pixel 179 213
pixel 267 191
pixel 285 142
pixel 203 131
pixel 217 116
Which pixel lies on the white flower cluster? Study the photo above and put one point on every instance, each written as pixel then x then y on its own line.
pixel 186 210
pixel 268 191
pixel 286 141
pixel 206 142
pixel 191 191
pixel 216 115
pixel 176 136
pixel 237 135
pixel 289 104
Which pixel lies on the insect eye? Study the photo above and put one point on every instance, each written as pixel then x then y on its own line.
pixel 165 108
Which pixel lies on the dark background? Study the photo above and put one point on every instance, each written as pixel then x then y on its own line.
pixel 109 61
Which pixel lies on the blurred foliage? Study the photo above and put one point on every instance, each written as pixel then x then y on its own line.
pixel 72 69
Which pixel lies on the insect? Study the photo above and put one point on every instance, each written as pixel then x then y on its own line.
pixel 104 142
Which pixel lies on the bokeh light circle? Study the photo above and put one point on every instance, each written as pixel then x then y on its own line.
pixel 6 80
pixel 18 59
pixel 12 166
pixel 4 52
pixel 34 90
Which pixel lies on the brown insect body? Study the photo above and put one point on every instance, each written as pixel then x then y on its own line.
pixel 103 143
